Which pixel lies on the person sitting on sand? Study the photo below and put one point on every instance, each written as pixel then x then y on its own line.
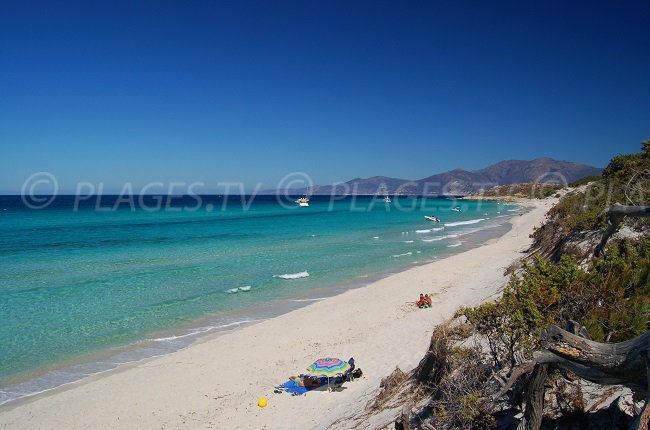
pixel 421 302
pixel 311 381
pixel 306 381
pixel 298 380
pixel 347 375
pixel 428 300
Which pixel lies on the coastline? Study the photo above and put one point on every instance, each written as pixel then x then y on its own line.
pixel 218 379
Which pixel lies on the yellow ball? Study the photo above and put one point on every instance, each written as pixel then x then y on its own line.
pixel 262 402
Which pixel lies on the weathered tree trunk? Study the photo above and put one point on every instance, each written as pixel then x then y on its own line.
pixel 625 363
pixel 615 214
pixel 641 422
pixel 534 399
pixel 603 363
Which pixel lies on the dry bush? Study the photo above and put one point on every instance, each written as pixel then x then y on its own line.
pixel 461 399
pixel 435 363
pixel 389 387
pixel 461 331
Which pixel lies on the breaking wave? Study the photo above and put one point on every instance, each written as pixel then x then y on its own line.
pixel 472 221
pixel 293 275
pixel 436 239
pixel 430 230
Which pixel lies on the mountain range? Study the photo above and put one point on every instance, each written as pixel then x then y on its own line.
pixel 462 182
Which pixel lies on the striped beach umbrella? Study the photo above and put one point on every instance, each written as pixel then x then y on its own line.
pixel 328 367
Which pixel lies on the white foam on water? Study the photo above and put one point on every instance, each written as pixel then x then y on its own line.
pixel 293 275
pixel 436 239
pixel 232 290
pixel 472 221
pixel 201 331
pixel 246 288
pixel 402 255
pixel 375 237
pixel 407 241
pixel 430 230
pixel 453 245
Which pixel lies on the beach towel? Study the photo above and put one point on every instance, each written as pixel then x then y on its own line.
pixel 293 387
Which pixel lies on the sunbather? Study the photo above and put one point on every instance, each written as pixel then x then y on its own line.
pixel 306 381
pixel 421 302
pixel 311 381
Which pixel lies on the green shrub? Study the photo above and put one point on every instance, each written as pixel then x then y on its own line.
pixel 611 299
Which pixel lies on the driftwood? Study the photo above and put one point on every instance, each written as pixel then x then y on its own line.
pixel 615 215
pixel 625 363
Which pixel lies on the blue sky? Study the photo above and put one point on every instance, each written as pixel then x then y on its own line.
pixel 214 91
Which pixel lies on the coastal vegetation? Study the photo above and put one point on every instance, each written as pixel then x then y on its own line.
pixel 461 381
pixel 528 190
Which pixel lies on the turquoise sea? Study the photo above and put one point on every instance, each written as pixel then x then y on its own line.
pixel 86 287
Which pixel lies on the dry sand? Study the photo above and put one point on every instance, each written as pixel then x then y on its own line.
pixel 216 383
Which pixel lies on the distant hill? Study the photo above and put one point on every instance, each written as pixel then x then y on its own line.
pixel 461 182
pixel 546 170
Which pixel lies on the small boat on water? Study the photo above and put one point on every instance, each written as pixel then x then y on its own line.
pixel 387 199
pixel 432 218
pixel 303 201
pixel 455 209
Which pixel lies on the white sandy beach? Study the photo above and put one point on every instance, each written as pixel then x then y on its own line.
pixel 216 383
